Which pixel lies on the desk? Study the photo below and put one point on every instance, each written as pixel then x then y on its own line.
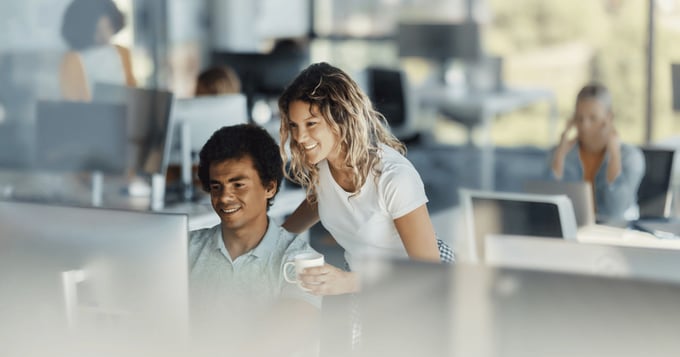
pixel 479 109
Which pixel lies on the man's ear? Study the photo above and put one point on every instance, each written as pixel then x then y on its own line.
pixel 270 189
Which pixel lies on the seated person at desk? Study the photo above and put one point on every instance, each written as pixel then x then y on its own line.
pixel 239 297
pixel 597 155
pixel 88 27
pixel 218 80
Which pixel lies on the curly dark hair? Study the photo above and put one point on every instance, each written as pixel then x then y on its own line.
pixel 80 21
pixel 238 141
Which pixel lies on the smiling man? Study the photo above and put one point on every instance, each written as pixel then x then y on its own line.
pixel 236 267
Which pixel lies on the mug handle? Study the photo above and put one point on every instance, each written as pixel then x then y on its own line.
pixel 285 272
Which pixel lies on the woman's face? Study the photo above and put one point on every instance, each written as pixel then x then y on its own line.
pixel 104 31
pixel 593 123
pixel 311 133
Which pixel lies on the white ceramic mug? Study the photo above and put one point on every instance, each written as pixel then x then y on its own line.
pixel 302 261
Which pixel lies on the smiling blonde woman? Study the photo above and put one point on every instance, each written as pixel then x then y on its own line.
pixel 359 184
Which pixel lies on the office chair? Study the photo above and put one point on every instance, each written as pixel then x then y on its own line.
pixel 654 194
pixel 389 91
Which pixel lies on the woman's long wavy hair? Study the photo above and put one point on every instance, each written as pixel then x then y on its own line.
pixel 349 114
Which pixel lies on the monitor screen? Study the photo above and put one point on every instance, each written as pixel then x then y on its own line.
pixel 74 136
pixel 579 192
pixel 675 80
pixel 654 194
pixel 205 114
pixel 92 273
pixel 439 41
pixel 266 74
pixel 517 214
pixel 480 310
pixel 149 127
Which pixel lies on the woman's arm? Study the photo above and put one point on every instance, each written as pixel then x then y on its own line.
pixel 126 59
pixel 417 234
pixel 304 217
pixel 562 149
pixel 72 78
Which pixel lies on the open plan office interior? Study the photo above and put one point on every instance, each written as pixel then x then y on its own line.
pixel 98 194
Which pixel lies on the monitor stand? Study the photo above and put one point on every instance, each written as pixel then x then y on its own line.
pixel 185 143
pixel 97 188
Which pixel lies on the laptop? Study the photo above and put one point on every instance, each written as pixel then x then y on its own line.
pixel 580 193
pixel 581 196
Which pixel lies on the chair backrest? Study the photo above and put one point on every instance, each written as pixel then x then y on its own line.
pixel 389 91
pixel 654 194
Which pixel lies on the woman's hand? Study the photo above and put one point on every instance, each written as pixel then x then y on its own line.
pixel 563 148
pixel 329 280
pixel 567 142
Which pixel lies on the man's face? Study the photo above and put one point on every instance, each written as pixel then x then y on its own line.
pixel 237 194
pixel 593 123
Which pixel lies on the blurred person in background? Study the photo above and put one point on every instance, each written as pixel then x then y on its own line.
pixel 218 80
pixel 87 27
pixel 597 155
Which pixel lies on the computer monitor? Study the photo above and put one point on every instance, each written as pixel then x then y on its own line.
pixel 266 75
pixel 514 213
pixel 74 136
pixel 196 119
pixel 96 275
pixel 525 252
pixel 580 193
pixel 675 84
pixel 205 114
pixel 654 194
pixel 481 310
pixel 149 124
pixel 439 41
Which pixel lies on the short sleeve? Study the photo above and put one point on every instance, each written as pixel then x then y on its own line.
pixel 401 189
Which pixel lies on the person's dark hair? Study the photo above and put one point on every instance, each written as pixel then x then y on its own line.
pixel 238 141
pixel 596 91
pixel 80 21
pixel 218 80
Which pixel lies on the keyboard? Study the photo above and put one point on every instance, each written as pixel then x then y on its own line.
pixel 601 234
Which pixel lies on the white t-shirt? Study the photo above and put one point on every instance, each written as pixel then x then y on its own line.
pixel 364 224
pixel 102 64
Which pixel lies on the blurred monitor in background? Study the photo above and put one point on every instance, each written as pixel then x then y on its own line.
pixel 266 75
pixel 149 124
pixel 675 79
pixel 514 213
pixel 579 192
pixel 477 310
pixel 75 136
pixel 196 119
pixel 85 276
